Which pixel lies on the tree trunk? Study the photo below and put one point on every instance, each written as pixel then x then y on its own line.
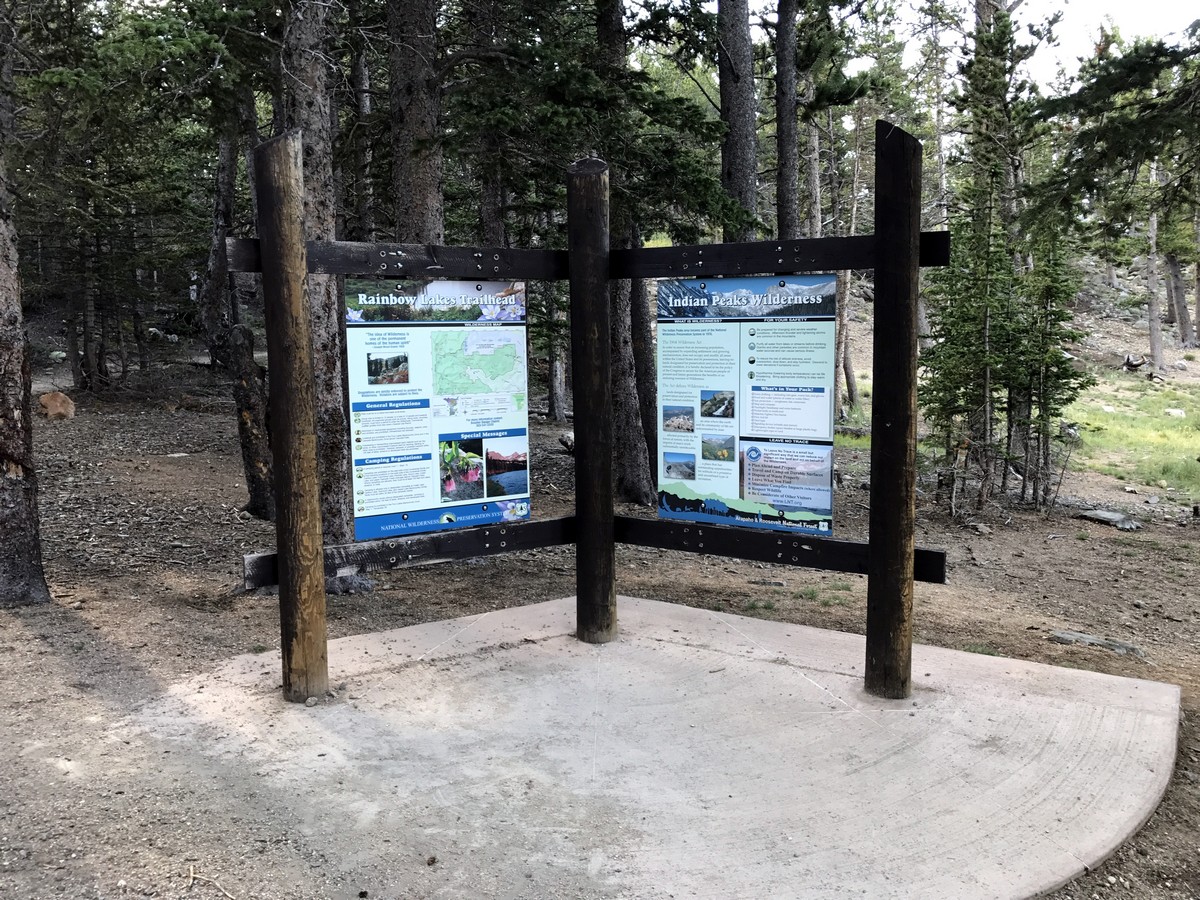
pixel 22 579
pixel 1196 231
pixel 416 108
pixel 633 478
pixel 74 354
pixel 559 353
pixel 122 349
pixel 839 344
pixel 84 302
pixel 493 231
pixel 103 377
pixel 942 205
pixel 214 292
pixel 248 286
pixel 739 156
pixel 842 361
pixel 787 147
pixel 643 319
pixel 139 324
pixel 853 400
pixel 361 226
pixel 250 395
pixel 1169 317
pixel 307 107
pixel 1153 307
pixel 1178 294
pixel 812 164
pixel 833 173
pixel 985 428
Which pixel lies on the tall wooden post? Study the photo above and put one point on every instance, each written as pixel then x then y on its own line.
pixel 303 636
pixel 591 363
pixel 893 413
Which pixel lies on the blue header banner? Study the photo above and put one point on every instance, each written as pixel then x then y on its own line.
pixel 370 528
pixel 482 435
pixel 748 299
pixel 384 405
pixel 391 460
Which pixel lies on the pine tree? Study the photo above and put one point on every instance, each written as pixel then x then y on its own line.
pixel 994 373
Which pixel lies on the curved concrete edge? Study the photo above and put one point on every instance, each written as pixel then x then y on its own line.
pixel 704 752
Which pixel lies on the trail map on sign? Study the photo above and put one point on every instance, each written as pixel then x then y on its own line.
pixel 471 361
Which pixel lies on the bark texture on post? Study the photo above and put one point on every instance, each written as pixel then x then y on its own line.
pixel 587 243
pixel 303 633
pixel 893 413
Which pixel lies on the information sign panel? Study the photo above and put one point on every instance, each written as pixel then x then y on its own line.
pixel 439 421
pixel 745 392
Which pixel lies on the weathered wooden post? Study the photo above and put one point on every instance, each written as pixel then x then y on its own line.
pixel 303 635
pixel 893 413
pixel 591 361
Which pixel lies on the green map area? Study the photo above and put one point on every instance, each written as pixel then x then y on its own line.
pixel 491 363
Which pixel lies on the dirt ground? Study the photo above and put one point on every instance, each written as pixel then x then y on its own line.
pixel 143 538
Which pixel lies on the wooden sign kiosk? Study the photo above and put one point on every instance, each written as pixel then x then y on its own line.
pixel 890 559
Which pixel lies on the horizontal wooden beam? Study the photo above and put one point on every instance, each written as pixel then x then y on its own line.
pixel 766 257
pixel 260 569
pixel 506 264
pixel 767 546
pixel 413 261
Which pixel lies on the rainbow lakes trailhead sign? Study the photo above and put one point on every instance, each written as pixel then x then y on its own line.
pixel 439 420
pixel 745 388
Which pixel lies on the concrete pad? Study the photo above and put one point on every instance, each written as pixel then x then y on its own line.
pixel 700 755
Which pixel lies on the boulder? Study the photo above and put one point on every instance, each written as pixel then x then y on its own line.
pixel 57 405
pixel 1110 517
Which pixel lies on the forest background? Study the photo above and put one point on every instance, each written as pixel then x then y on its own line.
pixel 126 127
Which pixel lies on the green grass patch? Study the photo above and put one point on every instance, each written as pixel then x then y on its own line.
pixel 827 602
pixel 1127 432
pixel 833 594
pixel 850 442
pixel 984 649
pixel 755 606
